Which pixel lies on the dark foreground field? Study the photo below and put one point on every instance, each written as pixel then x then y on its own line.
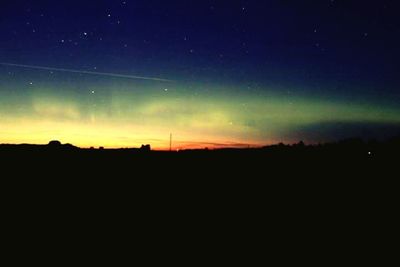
pixel 279 173
pixel 346 161
pixel 297 203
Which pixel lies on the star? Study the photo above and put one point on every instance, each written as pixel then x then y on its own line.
pixel 166 89
pixel 31 83
pixel 85 33
pixel 92 91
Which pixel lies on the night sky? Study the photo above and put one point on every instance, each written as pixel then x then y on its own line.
pixel 213 73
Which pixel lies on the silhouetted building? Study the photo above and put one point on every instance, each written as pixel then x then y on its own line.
pixel 145 147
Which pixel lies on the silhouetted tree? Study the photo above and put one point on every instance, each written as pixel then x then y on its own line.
pixel 54 143
pixel 300 144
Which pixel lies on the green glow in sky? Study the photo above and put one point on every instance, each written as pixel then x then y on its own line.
pixel 127 114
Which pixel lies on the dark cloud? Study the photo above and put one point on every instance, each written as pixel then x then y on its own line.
pixel 334 131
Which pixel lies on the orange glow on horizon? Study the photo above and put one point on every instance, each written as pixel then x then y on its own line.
pixel 109 135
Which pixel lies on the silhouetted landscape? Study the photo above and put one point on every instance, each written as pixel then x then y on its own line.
pixel 283 177
pixel 280 191
pixel 350 154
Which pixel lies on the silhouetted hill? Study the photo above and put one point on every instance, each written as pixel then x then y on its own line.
pixel 53 145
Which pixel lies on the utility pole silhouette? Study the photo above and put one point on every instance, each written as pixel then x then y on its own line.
pixel 170 142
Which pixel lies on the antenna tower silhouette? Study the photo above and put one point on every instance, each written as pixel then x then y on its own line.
pixel 170 142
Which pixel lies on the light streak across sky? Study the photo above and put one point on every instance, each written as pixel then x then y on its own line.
pixel 106 74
